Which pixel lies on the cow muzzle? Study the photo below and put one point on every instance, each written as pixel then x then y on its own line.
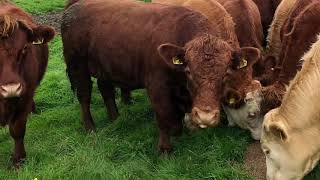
pixel 205 118
pixel 11 90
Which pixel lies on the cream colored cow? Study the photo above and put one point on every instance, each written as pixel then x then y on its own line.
pixel 290 136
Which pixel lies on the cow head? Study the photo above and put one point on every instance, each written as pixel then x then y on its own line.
pixel 204 61
pixel 290 153
pixel 17 39
pixel 242 94
pixel 269 70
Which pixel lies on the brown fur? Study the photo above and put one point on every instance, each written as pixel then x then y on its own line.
pixel 216 14
pixel 23 63
pixel 267 9
pixel 299 32
pixel 246 15
pixel 281 15
pixel 131 44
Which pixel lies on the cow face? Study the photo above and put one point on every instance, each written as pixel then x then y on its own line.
pixel 242 94
pixel 204 61
pixel 17 39
pixel 290 154
pixel 247 116
pixel 269 70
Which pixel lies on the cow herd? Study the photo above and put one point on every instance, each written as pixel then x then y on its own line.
pixel 195 58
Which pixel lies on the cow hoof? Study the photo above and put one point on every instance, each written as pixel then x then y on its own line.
pixel 90 129
pixel 164 148
pixel 17 161
pixel 113 117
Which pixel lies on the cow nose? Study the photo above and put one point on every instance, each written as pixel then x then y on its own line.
pixel 206 117
pixel 11 90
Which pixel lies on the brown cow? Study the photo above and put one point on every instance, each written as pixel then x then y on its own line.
pixel 267 9
pixel 171 51
pixel 219 18
pixel 298 33
pixel 246 15
pixel 24 57
pixel 305 26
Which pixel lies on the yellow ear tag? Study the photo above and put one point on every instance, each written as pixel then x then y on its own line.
pixel 243 63
pixel 232 101
pixel 176 61
pixel 38 41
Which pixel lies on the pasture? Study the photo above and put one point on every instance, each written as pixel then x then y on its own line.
pixel 58 147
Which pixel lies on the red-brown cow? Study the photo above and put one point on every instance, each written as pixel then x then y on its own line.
pixel 171 51
pixel 246 16
pixel 298 33
pixel 267 9
pixel 24 57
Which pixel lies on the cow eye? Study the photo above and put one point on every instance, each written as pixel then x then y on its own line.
pixel 23 53
pixel 187 71
pixel 24 50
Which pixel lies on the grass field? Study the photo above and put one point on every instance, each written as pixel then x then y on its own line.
pixel 58 147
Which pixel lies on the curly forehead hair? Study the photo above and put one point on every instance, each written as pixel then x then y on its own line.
pixel 209 44
pixel 8 25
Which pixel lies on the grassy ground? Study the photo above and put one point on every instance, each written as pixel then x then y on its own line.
pixel 58 147
pixel 40 6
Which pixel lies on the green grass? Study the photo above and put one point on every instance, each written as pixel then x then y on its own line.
pixel 40 6
pixel 58 148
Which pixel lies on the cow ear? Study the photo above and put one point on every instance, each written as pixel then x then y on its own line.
pixel 173 55
pixel 42 34
pixel 270 62
pixel 249 56
pixel 231 98
pixel 278 130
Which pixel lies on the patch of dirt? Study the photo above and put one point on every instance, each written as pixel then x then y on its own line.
pixel 51 19
pixel 255 161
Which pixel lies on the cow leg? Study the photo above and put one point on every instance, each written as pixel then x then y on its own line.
pixel 107 91
pixel 33 109
pixel 17 128
pixel 168 120
pixel 126 96
pixel 84 96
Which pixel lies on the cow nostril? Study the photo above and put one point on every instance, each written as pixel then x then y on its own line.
pixel 252 115
pixel 207 109
pixel 11 90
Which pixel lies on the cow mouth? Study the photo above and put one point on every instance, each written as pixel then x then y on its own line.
pixel 196 120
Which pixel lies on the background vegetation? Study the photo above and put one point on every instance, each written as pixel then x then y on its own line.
pixel 59 148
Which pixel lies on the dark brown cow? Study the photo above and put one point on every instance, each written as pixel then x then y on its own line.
pixel 246 16
pixel 171 51
pixel 24 57
pixel 267 9
pixel 298 33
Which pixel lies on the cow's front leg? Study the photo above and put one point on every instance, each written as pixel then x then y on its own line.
pixel 168 118
pixel 17 128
